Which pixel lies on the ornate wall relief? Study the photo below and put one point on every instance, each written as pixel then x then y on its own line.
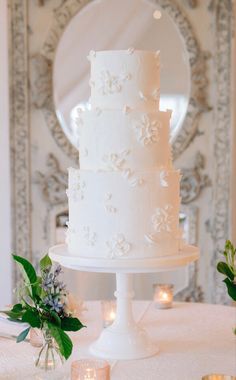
pixel 27 108
pixel 220 228
pixel 20 143
pixel 193 180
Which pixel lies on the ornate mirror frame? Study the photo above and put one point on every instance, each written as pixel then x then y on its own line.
pixel 43 62
pixel 42 97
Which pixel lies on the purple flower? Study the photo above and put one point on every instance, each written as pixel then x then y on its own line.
pixel 54 303
pixel 47 282
pixel 58 270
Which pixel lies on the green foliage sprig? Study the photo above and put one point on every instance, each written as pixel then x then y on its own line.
pixel 228 268
pixel 43 304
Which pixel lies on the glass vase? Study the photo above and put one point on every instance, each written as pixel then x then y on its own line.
pixel 49 356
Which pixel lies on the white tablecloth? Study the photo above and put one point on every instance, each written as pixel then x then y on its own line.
pixel 194 340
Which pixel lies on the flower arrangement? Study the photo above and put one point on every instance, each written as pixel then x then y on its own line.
pixel 44 305
pixel 228 268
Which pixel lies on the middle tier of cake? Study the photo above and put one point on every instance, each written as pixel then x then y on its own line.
pixel 123 215
pixel 122 140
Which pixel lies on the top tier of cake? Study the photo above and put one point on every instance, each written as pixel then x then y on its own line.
pixel 125 78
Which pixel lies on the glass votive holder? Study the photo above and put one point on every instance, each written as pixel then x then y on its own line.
pixel 90 369
pixel 163 295
pixel 36 337
pixel 108 312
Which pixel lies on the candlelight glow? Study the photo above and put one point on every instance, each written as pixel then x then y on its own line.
pixel 163 295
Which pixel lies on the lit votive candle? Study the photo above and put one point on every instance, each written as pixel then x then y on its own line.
pixel 163 295
pixel 90 369
pixel 108 312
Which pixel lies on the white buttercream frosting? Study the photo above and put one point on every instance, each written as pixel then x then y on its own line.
pixel 124 201
pixel 125 79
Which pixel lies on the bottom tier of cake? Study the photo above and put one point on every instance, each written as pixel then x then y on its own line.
pixel 123 214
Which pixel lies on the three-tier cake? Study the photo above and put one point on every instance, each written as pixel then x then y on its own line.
pixel 124 200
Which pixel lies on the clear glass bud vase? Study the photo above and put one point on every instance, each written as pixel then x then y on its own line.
pixel 49 356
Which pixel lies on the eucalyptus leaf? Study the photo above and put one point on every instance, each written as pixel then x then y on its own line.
pixel 32 318
pixel 71 324
pixel 45 263
pixel 29 271
pixel 22 335
pixel 225 269
pixel 63 340
pixel 231 288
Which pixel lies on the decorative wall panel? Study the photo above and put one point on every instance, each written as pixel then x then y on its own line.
pixel 41 152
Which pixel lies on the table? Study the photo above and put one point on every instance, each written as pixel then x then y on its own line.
pixel 194 340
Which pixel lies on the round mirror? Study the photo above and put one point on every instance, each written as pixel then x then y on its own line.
pixel 113 25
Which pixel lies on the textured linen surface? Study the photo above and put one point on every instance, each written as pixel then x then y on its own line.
pixel 193 340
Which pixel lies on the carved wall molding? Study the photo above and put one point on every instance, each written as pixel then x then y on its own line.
pixel 19 124
pixel 198 70
pixel 194 292
pixel 54 183
pixel 220 228
pixel 41 81
pixel 193 180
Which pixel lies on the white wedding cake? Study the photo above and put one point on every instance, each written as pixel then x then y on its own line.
pixel 124 200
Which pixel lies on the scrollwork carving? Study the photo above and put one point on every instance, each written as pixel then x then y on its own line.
pixel 193 180
pixel 54 183
pixel 41 77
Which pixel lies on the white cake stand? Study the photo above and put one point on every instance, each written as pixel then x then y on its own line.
pixel 124 339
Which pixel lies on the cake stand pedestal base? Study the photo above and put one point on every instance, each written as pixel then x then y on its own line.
pixel 124 339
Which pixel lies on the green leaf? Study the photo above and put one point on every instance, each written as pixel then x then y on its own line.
pixel 29 271
pixel 225 269
pixel 22 335
pixel 45 263
pixel 17 307
pixel 55 319
pixel 63 340
pixel 231 288
pixel 71 324
pixel 32 318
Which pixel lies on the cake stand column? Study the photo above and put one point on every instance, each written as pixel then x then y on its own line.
pixel 124 294
pixel 124 339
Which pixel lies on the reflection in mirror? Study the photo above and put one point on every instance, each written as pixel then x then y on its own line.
pixel 113 25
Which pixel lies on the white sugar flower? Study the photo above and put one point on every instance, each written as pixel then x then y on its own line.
pixel 147 130
pixel 116 161
pixel 110 83
pixel 162 219
pixel 118 246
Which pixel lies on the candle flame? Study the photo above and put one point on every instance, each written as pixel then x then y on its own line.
pixel 112 315
pixel 164 296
